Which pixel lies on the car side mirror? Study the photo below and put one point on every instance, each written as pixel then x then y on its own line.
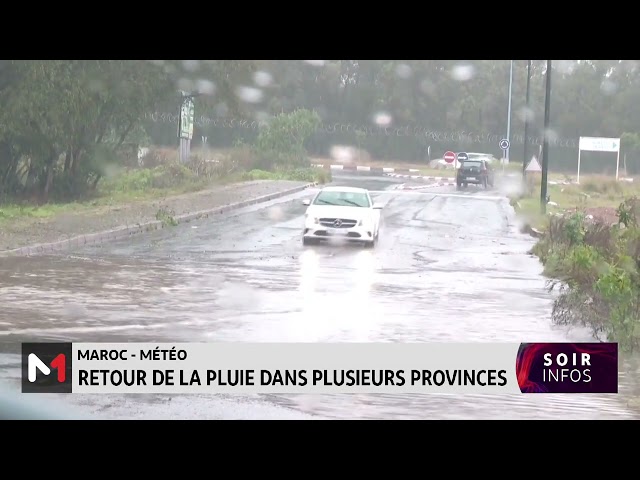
pixel 377 206
pixel 306 202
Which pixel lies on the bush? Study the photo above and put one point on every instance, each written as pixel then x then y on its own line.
pixel 598 269
pixel 281 141
pixel 159 156
pixel 172 175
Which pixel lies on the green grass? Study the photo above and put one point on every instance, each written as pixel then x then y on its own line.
pixel 12 212
pixel 139 185
pixel 593 192
pixel 300 175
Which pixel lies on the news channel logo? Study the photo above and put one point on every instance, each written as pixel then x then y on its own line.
pixel 568 367
pixel 47 367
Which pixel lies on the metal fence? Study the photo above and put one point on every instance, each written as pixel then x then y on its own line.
pixel 399 143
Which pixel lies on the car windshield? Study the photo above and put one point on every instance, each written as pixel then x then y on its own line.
pixel 472 163
pixel 351 199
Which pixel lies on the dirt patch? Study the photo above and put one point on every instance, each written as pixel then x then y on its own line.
pixel 31 231
pixel 606 215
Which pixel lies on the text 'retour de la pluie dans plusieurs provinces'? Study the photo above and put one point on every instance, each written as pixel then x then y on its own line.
pixel 289 377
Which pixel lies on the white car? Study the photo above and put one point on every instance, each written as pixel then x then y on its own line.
pixel 483 156
pixel 342 212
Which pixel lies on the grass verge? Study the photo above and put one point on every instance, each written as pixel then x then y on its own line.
pixel 298 174
pixel 596 267
pixel 593 261
pixel 590 249
pixel 138 185
pixel 597 196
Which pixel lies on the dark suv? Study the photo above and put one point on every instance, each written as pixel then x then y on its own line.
pixel 478 172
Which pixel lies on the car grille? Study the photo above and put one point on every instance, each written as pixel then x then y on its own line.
pixel 338 222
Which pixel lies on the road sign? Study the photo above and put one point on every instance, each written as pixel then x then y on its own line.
pixel 534 165
pixel 449 157
pixel 504 144
pixel 598 144
pixel 462 156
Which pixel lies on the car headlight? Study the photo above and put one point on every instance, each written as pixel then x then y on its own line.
pixel 314 219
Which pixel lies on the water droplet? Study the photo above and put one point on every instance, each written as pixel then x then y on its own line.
pixel 205 87
pixel 403 71
pixel 249 94
pixel 315 63
pixel 262 78
pixel 565 67
pixel 526 114
pixel 463 73
pixel 608 87
pixel 551 135
pixel 382 119
pixel 341 154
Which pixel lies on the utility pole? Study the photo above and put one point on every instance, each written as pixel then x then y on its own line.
pixel 526 124
pixel 545 143
pixel 506 160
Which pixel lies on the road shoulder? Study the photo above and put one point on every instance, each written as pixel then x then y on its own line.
pixel 69 229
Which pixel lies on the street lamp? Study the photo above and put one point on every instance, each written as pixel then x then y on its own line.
pixel 506 160
pixel 545 142
pixel 526 124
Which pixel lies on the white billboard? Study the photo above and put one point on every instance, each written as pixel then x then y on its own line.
pixel 599 144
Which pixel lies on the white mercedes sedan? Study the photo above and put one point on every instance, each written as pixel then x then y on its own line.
pixel 342 213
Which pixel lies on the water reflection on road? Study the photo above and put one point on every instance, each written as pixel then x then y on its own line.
pixel 448 268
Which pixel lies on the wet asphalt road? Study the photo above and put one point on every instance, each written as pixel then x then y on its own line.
pixel 449 266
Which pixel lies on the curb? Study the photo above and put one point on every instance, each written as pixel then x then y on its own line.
pixel 364 168
pixel 424 187
pixel 420 177
pixel 119 233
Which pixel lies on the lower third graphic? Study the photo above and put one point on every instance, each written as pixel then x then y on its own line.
pixel 567 368
pixel 46 368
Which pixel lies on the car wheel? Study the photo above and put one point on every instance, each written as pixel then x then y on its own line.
pixel 370 244
pixel 307 241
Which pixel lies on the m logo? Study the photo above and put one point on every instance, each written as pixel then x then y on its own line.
pixel 35 364
pixel 46 367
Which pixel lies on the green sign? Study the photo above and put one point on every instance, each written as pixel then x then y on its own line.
pixel 187 118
